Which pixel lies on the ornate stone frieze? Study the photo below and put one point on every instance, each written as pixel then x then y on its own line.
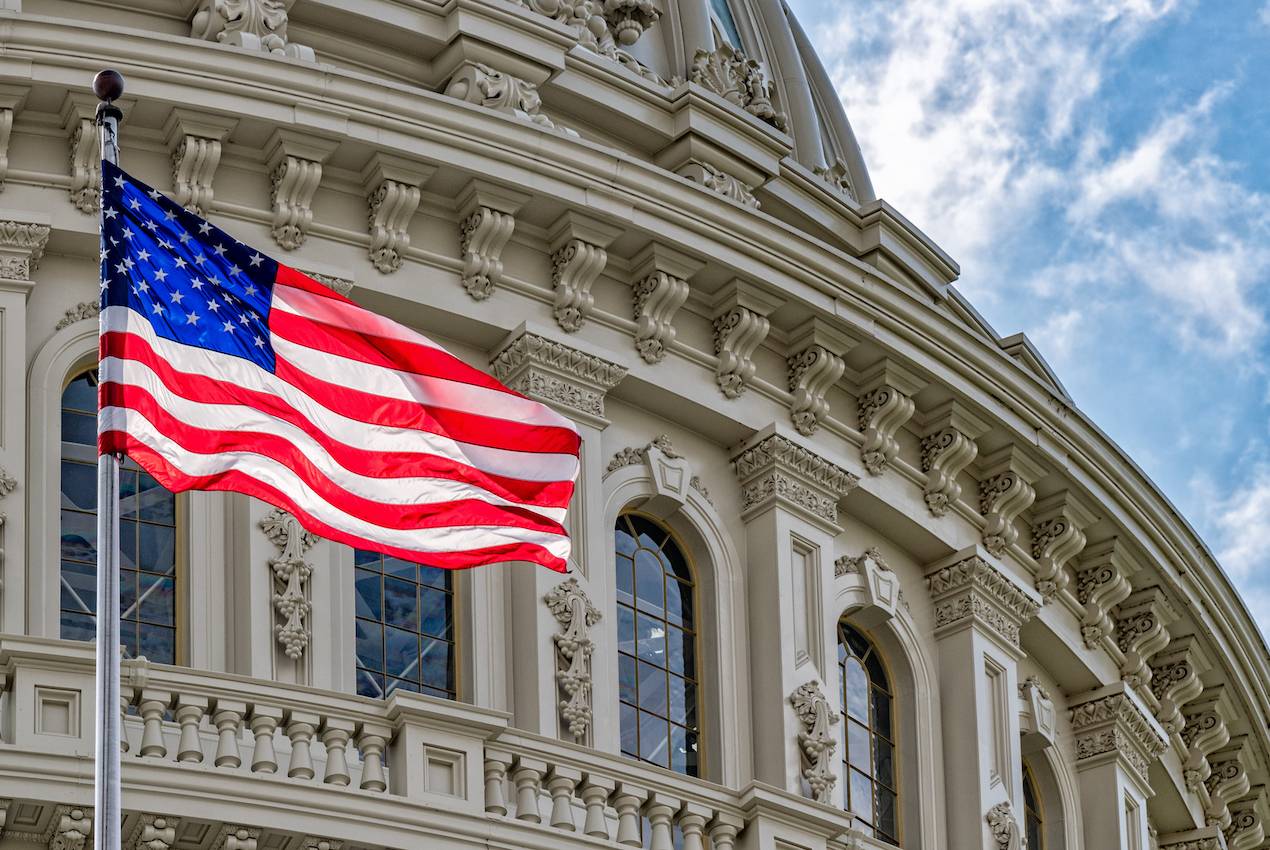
pixel 814 365
pixel 1175 681
pixel 576 615
pixel 295 170
pixel 341 285
pixel 740 326
pixel 476 82
pixel 1057 537
pixel 947 448
pixel 816 740
pixel 578 256
pixel 1113 723
pixel 660 289
pixel 1004 828
pixel 249 24
pixel 1102 582
pixel 1247 828
pixel 776 470
pixel 882 592
pixel 1204 733
pixel 69 828
pixel 739 80
pixel 1227 781
pixel 487 217
pixel 21 248
pixel 291 575
pixel 971 591
pixel 233 837
pixel 1038 720
pixel 718 181
pixel 153 832
pixel 885 404
pixel 1206 838
pixel 1005 492
pixel 556 374
pixel 1141 632
pixel 838 176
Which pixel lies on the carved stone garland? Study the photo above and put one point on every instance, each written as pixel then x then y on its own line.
pixel 291 574
pixel 574 646
pixel 1006 834
pixel 816 740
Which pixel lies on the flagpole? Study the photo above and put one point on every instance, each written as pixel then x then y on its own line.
pixel 108 86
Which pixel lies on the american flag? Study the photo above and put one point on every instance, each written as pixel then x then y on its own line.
pixel 222 369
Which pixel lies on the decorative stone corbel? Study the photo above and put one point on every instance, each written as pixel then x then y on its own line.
pixel 814 365
pixel 153 832
pixel 775 470
pixel 740 326
pixel 1038 718
pixel 21 249
pixel 1057 536
pixel 1006 479
pixel 1227 781
pixel 487 217
pixel 660 288
pixel 579 254
pixel 295 170
pixel 249 24
pixel 838 175
pixel 195 140
pixel 312 842
pixel 233 837
pixel 1204 733
pixel 78 113
pixel 69 827
pixel 291 575
pixel 970 591
pixel 816 740
pixel 1175 680
pixel 555 374
pixel 669 471
pixel 1247 821
pixel 739 80
pixel 885 404
pixel 476 82
pixel 1205 838
pixel 948 447
pixel 882 593
pixel 1102 583
pixel 576 615
pixel 1141 633
pixel 1004 828
pixel 12 99
pixel 1112 723
pixel 392 186
pixel 717 180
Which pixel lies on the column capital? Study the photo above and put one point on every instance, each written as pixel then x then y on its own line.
pixel 1113 724
pixel 969 591
pixel 572 381
pixel 23 238
pixel 773 469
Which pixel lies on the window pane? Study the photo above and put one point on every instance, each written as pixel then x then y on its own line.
pixel 683 702
pixel 855 641
pixel 437 668
pixel 625 580
pixel 158 548
pixel 401 604
pixel 401 569
pixel 156 603
pixel 882 714
pixel 155 504
pixel 625 630
pixel 649 578
pixel 79 587
pixel 624 542
pixel 861 796
pixel 883 762
pixel 651 636
pixel 370 684
pixel 434 611
pixel 370 560
pixel 653 743
pixel 679 753
pixel 679 652
pixel 858 746
pixel 79 536
pixel 370 645
pixel 157 643
pixel 78 626
pixel 367 591
pixel 857 691
pixel 79 486
pixel 630 731
pixel 885 818
pixel 652 689
pixel 401 653
pixel 626 679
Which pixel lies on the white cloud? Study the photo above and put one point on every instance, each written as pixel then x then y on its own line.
pixel 1264 16
pixel 1242 527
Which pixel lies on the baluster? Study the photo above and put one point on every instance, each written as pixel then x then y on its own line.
pixel 659 810
pixel 627 800
pixel 496 765
pixel 300 728
pixel 335 735
pixel 228 720
pixel 126 696
pixel 371 744
pixel 264 720
pixel 528 778
pixel 723 831
pixel 151 708
pixel 692 821
pixel 189 712
pixel 595 794
pixel 560 784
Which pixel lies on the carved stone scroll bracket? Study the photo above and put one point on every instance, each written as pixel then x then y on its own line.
pixel 1228 781
pixel 195 140
pixel 12 99
pixel 78 113
pixel 885 404
pixel 69 828
pixel 476 82
pixel 970 592
pixel 948 447
pixel 740 326
pixel 1175 680
pixel 1103 571
pixel 1006 834
pixel 250 24
pixel 1204 733
pixel 233 837
pixel 1037 715
pixel 153 832
pixel 814 364
pixel 487 217
pixel 739 80
pixel 1142 622
pixel 22 246
pixel 295 170
pixel 774 470
pixel 816 740
pixel 393 186
pixel 570 380
pixel 576 615
pixel 659 287
pixel 1112 724
pixel 1058 535
pixel 719 181
pixel 291 576
pixel 882 594
pixel 579 252
pixel 1006 481
pixel 1248 818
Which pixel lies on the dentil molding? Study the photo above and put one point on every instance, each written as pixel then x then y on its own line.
pixel 291 575
pixel 554 373
pixel 576 615
pixel 816 739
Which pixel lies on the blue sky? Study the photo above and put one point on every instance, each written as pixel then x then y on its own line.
pixel 1101 171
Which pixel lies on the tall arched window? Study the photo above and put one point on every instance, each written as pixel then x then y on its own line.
pixel 657 647
pixel 405 627
pixel 147 539
pixel 725 22
pixel 868 752
pixel 1033 816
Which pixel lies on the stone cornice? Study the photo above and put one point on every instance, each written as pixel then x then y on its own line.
pixel 1113 723
pixel 556 374
pixel 968 590
pixel 774 469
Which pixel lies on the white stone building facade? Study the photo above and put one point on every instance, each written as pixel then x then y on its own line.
pixel 850 569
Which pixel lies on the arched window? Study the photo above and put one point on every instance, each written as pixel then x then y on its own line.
pixel 657 647
pixel 868 731
pixel 1033 816
pixel 147 539
pixel 725 22
pixel 405 627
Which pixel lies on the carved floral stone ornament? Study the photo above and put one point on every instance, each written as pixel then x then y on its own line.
pixel 816 740
pixel 291 575
pixel 1117 726
pixel 554 373
pixel 21 248
pixel 739 80
pixel 82 310
pixel 1006 834
pixel 973 591
pixel 249 24
pixel 484 85
pixel 602 25
pixel 776 470
pixel 576 615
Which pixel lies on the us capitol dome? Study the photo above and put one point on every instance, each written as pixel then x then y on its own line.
pixel 850 569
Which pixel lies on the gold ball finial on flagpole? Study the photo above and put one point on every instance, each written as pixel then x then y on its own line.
pixel 108 85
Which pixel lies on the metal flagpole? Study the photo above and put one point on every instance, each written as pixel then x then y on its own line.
pixel 108 86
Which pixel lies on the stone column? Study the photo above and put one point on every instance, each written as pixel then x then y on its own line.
pixel 979 610
pixel 574 383
pixel 789 499
pixel 1117 739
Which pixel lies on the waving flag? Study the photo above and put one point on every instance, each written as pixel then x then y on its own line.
pixel 222 369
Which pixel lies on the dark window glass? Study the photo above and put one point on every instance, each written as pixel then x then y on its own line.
pixel 1033 819
pixel 723 14
pixel 148 583
pixel 405 627
pixel 869 745
pixel 657 658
